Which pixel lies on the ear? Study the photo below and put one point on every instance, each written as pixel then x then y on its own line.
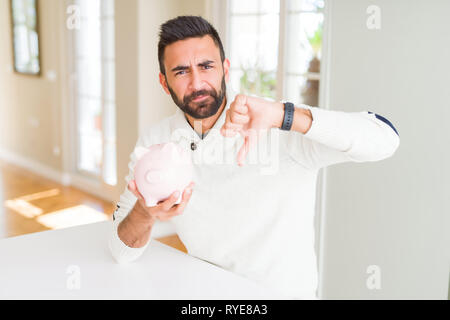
pixel 140 152
pixel 226 69
pixel 163 82
pixel 171 149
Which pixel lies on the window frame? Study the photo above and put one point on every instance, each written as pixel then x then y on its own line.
pixel 219 13
pixel 105 103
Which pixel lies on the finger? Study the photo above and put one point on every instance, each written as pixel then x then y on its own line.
pixel 179 208
pixel 229 129
pixel 233 126
pixel 191 185
pixel 241 109
pixel 133 189
pixel 229 124
pixel 237 118
pixel 239 104
pixel 170 202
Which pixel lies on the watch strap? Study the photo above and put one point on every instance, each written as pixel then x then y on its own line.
pixel 288 116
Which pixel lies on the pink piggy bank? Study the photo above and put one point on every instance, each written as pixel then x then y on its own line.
pixel 161 169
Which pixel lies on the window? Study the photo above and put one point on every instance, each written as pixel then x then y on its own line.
pixel 25 36
pixel 253 46
pixel 94 66
pixel 275 48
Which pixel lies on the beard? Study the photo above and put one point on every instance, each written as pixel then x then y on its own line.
pixel 204 108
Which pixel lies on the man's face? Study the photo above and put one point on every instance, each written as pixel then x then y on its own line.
pixel 195 76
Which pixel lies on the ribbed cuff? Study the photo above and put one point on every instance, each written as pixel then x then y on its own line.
pixel 120 251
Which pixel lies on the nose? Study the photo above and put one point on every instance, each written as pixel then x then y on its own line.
pixel 196 81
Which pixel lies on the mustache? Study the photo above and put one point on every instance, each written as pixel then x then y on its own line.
pixel 197 94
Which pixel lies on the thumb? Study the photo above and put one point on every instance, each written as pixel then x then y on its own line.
pixel 249 142
pixel 134 190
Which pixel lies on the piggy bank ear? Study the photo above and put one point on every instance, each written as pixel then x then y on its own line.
pixel 140 151
pixel 171 151
pixel 175 153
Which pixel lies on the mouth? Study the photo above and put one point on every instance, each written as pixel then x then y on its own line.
pixel 200 98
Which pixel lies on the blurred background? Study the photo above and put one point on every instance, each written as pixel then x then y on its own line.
pixel 79 83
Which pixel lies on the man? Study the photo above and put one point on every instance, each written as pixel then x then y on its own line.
pixel 257 223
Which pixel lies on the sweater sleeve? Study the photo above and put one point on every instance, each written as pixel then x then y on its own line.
pixel 336 137
pixel 119 250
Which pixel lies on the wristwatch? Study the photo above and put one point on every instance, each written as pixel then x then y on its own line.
pixel 288 116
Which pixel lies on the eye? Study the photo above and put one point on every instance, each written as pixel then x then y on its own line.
pixel 207 67
pixel 179 72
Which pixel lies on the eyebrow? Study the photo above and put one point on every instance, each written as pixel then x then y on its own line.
pixel 201 64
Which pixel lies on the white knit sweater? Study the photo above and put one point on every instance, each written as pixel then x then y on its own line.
pixel 257 220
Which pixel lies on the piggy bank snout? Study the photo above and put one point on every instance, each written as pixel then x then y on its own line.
pixel 153 177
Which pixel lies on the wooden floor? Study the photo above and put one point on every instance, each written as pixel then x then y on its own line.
pixel 26 196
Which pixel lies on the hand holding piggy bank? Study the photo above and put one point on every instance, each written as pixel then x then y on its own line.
pixel 160 170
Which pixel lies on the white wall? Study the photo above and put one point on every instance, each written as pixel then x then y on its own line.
pixel 393 213
pixel 154 103
pixel 29 105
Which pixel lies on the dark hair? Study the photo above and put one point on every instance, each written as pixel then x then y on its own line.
pixel 183 27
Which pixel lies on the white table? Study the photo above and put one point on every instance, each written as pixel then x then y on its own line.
pixel 75 263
